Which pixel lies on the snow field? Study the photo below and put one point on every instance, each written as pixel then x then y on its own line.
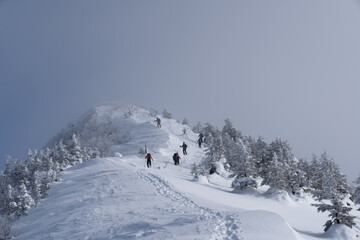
pixel 118 198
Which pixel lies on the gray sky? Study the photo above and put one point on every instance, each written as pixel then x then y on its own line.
pixel 280 68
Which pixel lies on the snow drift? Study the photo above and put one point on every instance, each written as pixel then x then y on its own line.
pixel 116 197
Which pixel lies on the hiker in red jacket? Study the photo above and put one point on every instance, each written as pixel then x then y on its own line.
pixel 176 158
pixel 148 158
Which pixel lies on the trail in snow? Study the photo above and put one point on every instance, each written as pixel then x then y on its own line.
pixel 226 227
pixel 117 198
pixel 109 199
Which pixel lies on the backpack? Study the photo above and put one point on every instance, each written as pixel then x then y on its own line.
pixel 148 156
pixel 175 157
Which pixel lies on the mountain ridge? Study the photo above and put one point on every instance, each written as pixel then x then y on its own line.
pixel 93 199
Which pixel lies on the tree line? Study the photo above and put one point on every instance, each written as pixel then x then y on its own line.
pixel 250 160
pixel 24 183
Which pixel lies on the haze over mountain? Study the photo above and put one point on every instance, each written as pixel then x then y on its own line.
pixel 277 68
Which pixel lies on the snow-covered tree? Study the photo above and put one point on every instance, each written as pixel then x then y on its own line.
pixel 197 128
pixel 38 160
pixel 357 192
pixel 3 192
pixel 275 174
pixel 56 168
pixel 10 204
pixel 100 136
pixel 209 132
pixel 315 173
pixel 16 172
pixel 30 160
pixel 306 172
pixel 292 175
pixel 166 114
pixel 259 151
pixel 36 187
pixel 153 112
pixel 5 228
pixel 335 189
pixel 241 164
pixel 185 121
pixel 23 200
pixel 338 212
pixel 197 170
pixel 77 154
pixel 230 130
pixel 214 151
pixel 61 155
pixel 131 112
pixel 47 161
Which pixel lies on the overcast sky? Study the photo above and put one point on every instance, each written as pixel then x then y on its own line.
pixel 283 68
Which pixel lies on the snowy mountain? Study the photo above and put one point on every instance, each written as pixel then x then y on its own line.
pixel 117 197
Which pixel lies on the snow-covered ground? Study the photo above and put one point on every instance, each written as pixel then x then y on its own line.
pixel 119 198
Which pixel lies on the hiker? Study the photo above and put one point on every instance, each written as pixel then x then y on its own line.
pixel 158 121
pixel 176 158
pixel 148 158
pixel 184 146
pixel 200 140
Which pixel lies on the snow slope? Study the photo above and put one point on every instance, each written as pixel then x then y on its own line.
pixel 118 198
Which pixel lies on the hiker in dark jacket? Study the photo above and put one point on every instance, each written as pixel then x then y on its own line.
pixel 158 121
pixel 184 146
pixel 200 140
pixel 176 158
pixel 148 158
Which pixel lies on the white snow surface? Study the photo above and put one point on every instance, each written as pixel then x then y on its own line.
pixel 119 198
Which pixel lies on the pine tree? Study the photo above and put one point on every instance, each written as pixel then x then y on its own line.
pixel 16 172
pixel 54 173
pixel 23 200
pixel 357 192
pixel 315 173
pixel 259 150
pixel 241 164
pixel 166 114
pixel 214 151
pixel 61 155
pixel 230 130
pixel 47 160
pixel 131 112
pixel 197 170
pixel 197 128
pixel 227 142
pixel 3 192
pixel 185 121
pixel 334 188
pixel 10 205
pixel 306 170
pixel 275 174
pixel 36 188
pixel 338 212
pixel 29 162
pixel 75 151
pixel 153 112
pixel 210 133
pixel 38 160
pixel 292 175
pixel 5 228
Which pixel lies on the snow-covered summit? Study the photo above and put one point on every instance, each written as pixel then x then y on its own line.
pixel 115 127
pixel 117 197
